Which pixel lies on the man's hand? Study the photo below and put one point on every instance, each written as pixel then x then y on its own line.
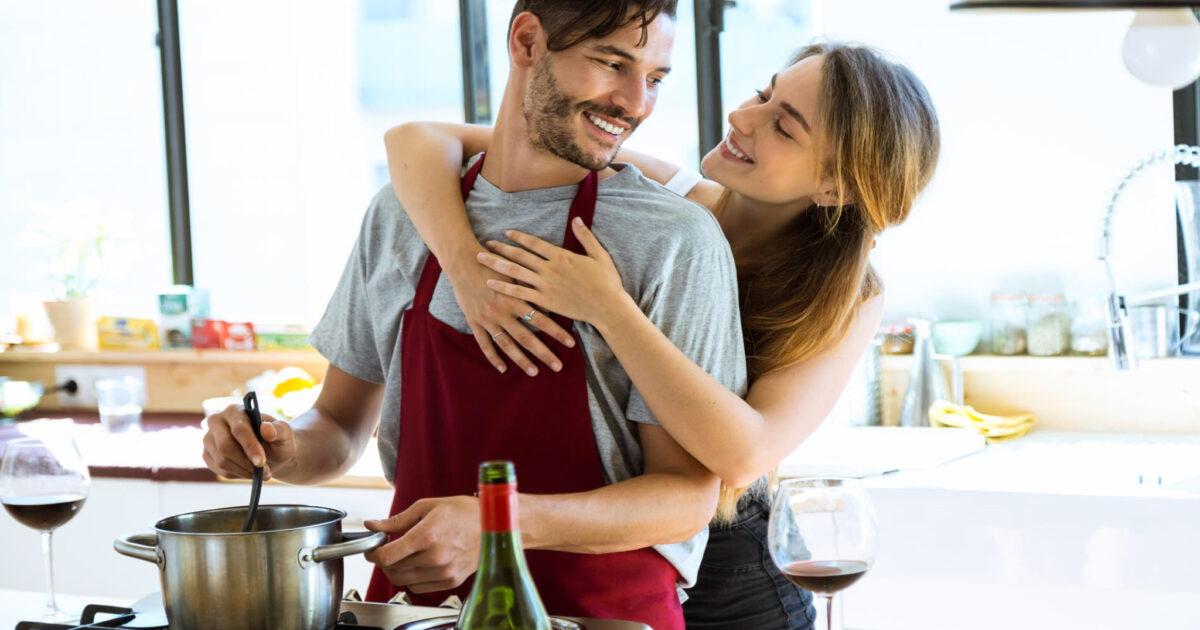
pixel 438 548
pixel 232 451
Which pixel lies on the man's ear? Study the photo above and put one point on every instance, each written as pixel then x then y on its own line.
pixel 526 40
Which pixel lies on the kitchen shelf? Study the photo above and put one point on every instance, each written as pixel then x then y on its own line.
pixel 142 357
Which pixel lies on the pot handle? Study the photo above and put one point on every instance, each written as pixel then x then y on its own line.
pixel 352 543
pixel 140 546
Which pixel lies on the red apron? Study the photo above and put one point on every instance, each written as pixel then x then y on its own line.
pixel 457 411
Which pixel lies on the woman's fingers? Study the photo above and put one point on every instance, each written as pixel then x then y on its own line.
pixel 546 324
pixel 505 266
pixel 509 346
pixel 533 243
pixel 586 238
pixel 530 342
pixel 484 339
pixel 523 257
pixel 513 290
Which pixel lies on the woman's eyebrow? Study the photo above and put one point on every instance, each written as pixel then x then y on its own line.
pixel 792 111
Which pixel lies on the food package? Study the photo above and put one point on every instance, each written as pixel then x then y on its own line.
pixel 289 337
pixel 177 308
pixel 995 428
pixel 216 334
pixel 127 333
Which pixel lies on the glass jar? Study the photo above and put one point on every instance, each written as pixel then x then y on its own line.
pixel 1049 325
pixel 1089 327
pixel 1008 323
pixel 896 339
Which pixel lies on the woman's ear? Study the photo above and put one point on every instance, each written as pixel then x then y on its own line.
pixel 526 40
pixel 827 196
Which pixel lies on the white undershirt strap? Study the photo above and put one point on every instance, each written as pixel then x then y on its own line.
pixel 683 181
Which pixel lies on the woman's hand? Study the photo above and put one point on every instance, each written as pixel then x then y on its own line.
pixel 584 288
pixel 496 320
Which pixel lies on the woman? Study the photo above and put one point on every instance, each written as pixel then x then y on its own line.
pixel 834 150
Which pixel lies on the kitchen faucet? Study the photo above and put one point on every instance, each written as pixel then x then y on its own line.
pixel 1118 324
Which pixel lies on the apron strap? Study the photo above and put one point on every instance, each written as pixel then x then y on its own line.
pixel 433 269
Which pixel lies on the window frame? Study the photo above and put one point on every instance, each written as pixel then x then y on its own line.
pixel 709 23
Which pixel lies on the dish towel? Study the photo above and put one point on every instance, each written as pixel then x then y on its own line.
pixel 995 428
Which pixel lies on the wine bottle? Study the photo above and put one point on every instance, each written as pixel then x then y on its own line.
pixel 503 597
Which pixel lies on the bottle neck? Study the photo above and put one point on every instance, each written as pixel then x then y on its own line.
pixel 498 507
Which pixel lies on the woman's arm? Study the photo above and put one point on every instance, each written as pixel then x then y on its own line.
pixel 706 192
pixel 425 163
pixel 737 439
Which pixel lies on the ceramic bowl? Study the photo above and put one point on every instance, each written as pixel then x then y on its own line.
pixel 956 337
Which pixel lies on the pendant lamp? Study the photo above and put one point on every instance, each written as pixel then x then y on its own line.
pixel 1161 48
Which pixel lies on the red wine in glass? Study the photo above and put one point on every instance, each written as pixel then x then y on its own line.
pixel 825 577
pixel 46 512
pixel 822 535
pixel 43 484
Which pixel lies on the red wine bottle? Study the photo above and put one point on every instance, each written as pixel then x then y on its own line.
pixel 503 597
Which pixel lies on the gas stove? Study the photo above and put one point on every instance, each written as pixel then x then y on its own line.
pixel 147 614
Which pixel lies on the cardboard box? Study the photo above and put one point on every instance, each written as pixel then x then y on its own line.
pixel 127 333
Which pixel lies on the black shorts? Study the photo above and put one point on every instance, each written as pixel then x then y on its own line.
pixel 739 586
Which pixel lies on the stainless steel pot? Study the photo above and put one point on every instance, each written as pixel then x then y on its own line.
pixel 285 576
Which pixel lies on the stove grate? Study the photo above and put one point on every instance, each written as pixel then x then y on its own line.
pixel 87 621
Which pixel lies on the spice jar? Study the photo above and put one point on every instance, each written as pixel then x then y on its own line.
pixel 1008 323
pixel 896 339
pixel 1049 325
pixel 1089 327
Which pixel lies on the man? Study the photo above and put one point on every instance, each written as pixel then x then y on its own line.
pixel 613 511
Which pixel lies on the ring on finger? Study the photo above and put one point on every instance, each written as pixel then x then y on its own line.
pixel 529 316
pixel 497 335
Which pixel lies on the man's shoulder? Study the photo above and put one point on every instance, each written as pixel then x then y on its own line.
pixel 648 204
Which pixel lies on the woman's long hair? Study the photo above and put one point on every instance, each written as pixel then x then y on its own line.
pixel 879 143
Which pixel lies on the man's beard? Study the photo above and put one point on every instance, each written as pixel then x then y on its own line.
pixel 549 116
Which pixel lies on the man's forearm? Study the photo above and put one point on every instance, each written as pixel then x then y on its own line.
pixel 652 509
pixel 325 450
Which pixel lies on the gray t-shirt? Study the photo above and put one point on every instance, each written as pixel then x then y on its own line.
pixel 672 257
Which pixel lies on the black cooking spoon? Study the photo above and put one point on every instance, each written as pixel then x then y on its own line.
pixel 250 404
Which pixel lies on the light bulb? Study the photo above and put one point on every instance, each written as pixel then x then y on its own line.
pixel 1162 47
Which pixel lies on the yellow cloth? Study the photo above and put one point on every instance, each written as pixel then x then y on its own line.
pixel 945 414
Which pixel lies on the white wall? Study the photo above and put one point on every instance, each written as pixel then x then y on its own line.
pixel 1039 120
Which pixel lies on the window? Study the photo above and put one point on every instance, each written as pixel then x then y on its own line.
pixel 81 137
pixel 286 105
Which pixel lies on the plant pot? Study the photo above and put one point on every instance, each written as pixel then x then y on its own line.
pixel 74 323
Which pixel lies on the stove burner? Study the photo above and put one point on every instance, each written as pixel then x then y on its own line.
pixel 346 621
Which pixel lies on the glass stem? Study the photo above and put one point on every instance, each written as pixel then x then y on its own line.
pixel 51 605
pixel 828 612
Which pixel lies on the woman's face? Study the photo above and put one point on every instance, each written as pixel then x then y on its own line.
pixel 770 152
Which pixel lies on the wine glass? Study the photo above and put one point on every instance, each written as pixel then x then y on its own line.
pixel 43 483
pixel 822 535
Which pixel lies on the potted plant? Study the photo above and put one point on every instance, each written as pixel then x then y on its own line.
pixel 74 238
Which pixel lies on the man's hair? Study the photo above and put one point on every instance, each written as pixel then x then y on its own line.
pixel 568 22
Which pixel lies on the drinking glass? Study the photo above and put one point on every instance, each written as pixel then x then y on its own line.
pixel 43 483
pixel 119 401
pixel 822 535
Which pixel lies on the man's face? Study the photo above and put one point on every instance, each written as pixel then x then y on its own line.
pixel 584 101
